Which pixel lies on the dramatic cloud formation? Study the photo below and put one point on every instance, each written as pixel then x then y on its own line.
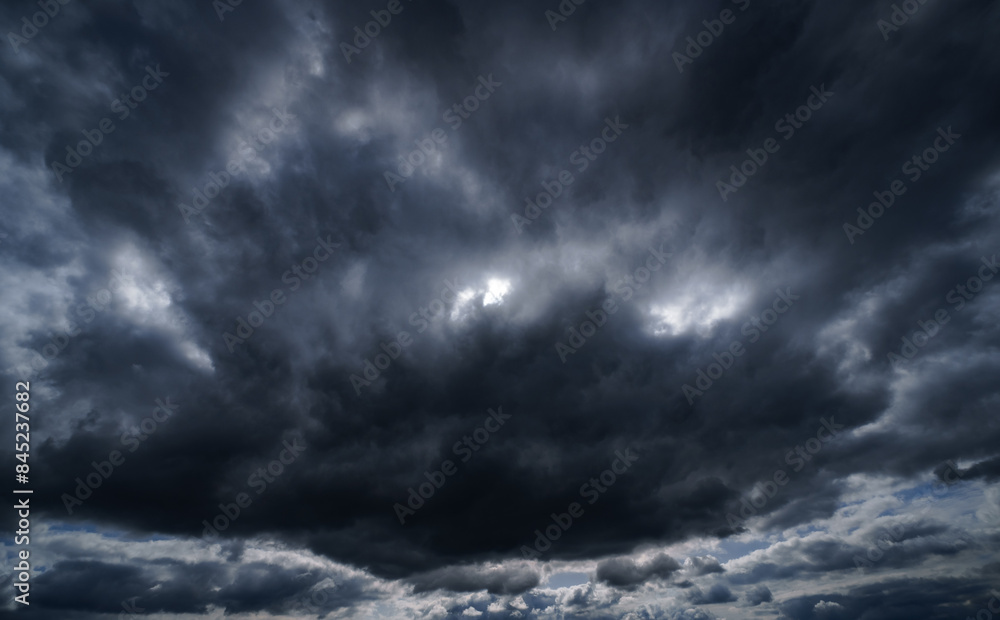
pixel 428 309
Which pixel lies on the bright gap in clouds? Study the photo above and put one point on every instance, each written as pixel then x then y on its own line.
pixel 698 311
pixel 493 293
pixel 146 300
pixel 496 290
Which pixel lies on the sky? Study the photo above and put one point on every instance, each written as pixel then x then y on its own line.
pixel 427 309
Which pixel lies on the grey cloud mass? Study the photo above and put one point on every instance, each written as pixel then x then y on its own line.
pixel 438 309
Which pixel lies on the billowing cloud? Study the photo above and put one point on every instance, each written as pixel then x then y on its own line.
pixel 418 304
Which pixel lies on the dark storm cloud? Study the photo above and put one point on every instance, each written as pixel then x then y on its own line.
pixel 718 593
pixel 90 585
pixel 989 470
pixel 506 580
pixel 706 565
pixel 758 595
pixel 627 573
pixel 939 599
pixel 907 546
pixel 655 186
pixel 178 587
